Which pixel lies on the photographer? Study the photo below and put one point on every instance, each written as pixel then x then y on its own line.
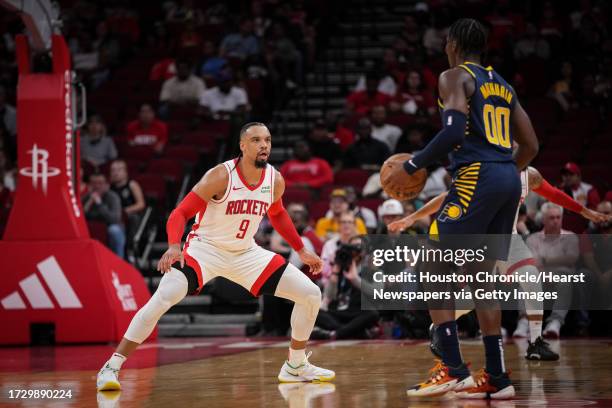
pixel 347 228
pixel 341 316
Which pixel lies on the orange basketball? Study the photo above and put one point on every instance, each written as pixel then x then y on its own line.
pixel 406 186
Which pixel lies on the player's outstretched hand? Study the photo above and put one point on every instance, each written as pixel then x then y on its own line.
pixel 400 225
pixel 595 216
pixel 312 260
pixel 169 257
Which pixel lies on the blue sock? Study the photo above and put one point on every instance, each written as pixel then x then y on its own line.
pixel 447 333
pixel 494 353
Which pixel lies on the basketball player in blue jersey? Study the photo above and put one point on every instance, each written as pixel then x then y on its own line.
pixel 481 118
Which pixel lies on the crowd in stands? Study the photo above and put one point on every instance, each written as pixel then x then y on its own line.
pixel 203 69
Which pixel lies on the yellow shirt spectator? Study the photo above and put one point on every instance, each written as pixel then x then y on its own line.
pixel 328 227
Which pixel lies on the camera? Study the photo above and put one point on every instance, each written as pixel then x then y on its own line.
pixel 345 255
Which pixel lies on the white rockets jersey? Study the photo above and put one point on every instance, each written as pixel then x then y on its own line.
pixel 231 222
pixel 524 191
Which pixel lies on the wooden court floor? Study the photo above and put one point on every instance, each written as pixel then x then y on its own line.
pixel 369 374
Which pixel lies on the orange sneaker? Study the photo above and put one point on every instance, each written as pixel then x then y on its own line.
pixel 489 387
pixel 442 381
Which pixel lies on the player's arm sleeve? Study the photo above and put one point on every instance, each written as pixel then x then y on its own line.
pixel 557 196
pixel 187 209
pixel 450 137
pixel 281 222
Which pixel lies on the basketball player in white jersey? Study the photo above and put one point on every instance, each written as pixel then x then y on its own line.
pixel 520 257
pixel 228 203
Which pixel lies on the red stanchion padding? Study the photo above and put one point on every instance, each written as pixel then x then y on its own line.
pixel 79 286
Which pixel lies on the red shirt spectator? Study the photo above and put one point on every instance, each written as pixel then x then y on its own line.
pixel 344 136
pixel 305 170
pixel 361 102
pixel 162 70
pixel 413 96
pixel 147 131
pixel 580 191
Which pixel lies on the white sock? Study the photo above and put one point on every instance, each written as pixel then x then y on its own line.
pixel 116 361
pixel 296 357
pixel 535 329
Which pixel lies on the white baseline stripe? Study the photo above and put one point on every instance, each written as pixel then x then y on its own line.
pixel 35 293
pixel 244 344
pixel 59 285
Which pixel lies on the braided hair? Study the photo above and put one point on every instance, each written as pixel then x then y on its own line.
pixel 470 35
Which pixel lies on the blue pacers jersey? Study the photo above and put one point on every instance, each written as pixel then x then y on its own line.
pixel 488 134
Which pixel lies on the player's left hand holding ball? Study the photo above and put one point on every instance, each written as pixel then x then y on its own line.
pixel 312 260
pixel 169 257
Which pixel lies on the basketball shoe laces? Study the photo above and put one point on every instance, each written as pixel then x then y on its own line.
pixel 437 372
pixel 114 370
pixel 303 364
pixel 482 380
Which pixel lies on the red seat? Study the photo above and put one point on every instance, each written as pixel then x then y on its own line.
pixel 134 166
pixel 543 110
pixel 202 141
pixel 88 168
pixel 177 127
pixel 371 203
pixel 599 156
pixel 219 128
pixel 401 120
pixel 534 72
pixel 153 186
pixel 255 90
pixel 296 195
pixel 556 156
pixel 602 141
pixel 552 173
pixel 98 230
pixel 168 168
pixel 141 153
pixel 186 154
pixel 598 175
pixel 352 177
pixel 318 209
pixel 184 112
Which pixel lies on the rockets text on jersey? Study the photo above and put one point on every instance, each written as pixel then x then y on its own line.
pixel 231 222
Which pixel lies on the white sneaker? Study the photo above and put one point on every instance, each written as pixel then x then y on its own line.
pixel 552 330
pixel 304 372
pixel 522 328
pixel 108 379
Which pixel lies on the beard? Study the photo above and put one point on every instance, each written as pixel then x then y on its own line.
pixel 260 164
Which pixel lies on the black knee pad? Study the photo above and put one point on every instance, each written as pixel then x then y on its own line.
pixel 193 286
pixel 269 286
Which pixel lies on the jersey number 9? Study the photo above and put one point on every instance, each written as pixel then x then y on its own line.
pixel 244 226
pixel 497 125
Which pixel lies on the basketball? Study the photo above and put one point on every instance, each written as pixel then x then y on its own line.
pixel 407 186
